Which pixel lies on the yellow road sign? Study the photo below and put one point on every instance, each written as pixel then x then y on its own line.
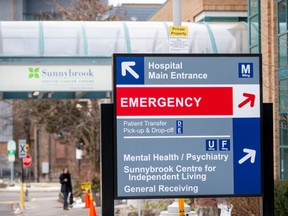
pixel 85 185
pixel 27 147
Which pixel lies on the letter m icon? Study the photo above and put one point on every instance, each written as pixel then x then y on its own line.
pixel 245 70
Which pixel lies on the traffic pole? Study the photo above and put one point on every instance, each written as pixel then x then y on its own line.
pixel 22 187
pixel 181 206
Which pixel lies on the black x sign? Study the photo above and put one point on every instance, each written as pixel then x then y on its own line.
pixel 23 148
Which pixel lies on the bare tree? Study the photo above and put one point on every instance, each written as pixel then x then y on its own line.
pixel 73 121
pixel 84 10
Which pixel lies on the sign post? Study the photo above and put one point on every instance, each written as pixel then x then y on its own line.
pixel 22 154
pixel 187 125
pixel 11 147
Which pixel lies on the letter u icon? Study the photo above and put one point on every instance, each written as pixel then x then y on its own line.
pixel 211 143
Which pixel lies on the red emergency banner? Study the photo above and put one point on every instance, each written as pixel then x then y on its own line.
pixel 174 101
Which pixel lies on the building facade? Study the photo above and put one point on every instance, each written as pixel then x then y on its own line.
pixel 205 11
pixel 280 8
pixel 18 10
pixel 28 10
pixel 136 12
pixel 268 36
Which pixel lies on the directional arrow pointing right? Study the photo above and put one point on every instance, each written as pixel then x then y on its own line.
pixel 249 98
pixel 250 154
pixel 126 66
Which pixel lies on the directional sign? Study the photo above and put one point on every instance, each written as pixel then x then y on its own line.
pixel 250 99
pixel 187 125
pixel 250 154
pixel 126 67
pixel 11 157
pixel 22 148
pixel 11 147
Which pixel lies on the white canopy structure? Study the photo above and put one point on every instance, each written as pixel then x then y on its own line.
pixel 69 45
pixel 102 39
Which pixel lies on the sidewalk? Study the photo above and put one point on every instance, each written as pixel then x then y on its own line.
pixel 44 206
pixel 51 207
pixel 6 209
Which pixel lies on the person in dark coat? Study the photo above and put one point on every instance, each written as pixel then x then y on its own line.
pixel 66 186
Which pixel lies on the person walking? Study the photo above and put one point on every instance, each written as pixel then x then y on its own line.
pixel 66 186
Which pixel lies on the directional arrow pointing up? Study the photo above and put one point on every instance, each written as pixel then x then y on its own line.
pixel 250 98
pixel 250 154
pixel 126 66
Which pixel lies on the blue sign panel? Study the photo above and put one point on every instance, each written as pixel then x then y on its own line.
pixel 131 69
pixel 187 125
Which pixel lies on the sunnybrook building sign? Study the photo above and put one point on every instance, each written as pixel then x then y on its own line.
pixel 55 78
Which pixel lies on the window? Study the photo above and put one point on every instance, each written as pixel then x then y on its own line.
pixel 282 16
pixel 284 163
pixel 283 87
pixel 282 50
pixel 254 5
pixel 254 26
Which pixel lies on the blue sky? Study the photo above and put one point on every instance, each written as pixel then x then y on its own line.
pixel 115 2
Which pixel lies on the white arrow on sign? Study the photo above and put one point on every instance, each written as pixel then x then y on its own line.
pixel 250 154
pixel 126 66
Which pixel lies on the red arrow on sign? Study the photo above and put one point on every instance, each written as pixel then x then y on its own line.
pixel 250 98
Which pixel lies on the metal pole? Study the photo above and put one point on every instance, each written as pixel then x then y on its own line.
pixel 13 10
pixel 38 155
pixel 22 186
pixel 50 156
pixel 139 207
pixel 12 171
pixel 177 12
pixel 107 162
pixel 177 22
pixel 79 167
pixel 181 206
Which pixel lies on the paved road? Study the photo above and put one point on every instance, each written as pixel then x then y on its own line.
pixel 14 196
pixel 6 209
pixel 43 203
pixel 49 206
pixel 6 202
